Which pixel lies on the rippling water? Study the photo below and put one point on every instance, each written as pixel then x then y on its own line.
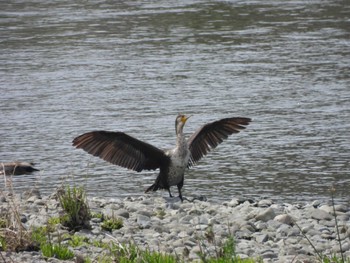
pixel 68 68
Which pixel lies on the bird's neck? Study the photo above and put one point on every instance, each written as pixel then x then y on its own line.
pixel 181 142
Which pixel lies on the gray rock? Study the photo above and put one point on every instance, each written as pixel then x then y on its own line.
pixel 23 218
pixel 343 217
pixel 143 221
pixel 316 203
pixel 39 202
pixel 266 215
pixel 345 247
pixel 265 203
pixel 341 208
pixel 269 253
pixel 145 213
pixel 243 234
pixel 327 208
pixel 283 230
pixel 32 199
pixel 260 225
pixel 203 220
pixel 328 223
pixel 320 214
pixel 261 237
pixel 284 219
pixel 123 213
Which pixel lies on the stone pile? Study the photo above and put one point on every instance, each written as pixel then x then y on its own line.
pixel 261 229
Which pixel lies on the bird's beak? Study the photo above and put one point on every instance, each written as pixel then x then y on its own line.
pixel 185 118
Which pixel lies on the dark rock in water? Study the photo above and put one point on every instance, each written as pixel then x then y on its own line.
pixel 17 168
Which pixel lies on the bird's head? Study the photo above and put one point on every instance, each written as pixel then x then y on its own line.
pixel 180 122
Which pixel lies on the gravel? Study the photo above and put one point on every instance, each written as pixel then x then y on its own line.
pixel 261 229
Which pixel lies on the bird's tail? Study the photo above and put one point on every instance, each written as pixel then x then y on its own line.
pixel 154 187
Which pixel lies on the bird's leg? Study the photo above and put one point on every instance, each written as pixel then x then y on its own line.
pixel 170 192
pixel 180 194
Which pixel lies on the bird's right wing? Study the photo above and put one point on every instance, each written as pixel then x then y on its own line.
pixel 121 149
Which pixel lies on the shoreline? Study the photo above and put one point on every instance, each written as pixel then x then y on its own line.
pixel 261 229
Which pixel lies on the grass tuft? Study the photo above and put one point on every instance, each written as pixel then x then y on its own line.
pixel 57 251
pixel 112 224
pixel 74 203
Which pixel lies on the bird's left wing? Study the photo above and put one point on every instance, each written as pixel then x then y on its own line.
pixel 121 149
pixel 212 134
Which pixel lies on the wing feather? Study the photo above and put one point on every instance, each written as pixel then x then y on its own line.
pixel 210 135
pixel 121 149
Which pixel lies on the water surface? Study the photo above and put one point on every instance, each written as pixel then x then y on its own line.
pixel 68 68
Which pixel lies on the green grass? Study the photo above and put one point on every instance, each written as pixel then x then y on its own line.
pixel 112 224
pixel 56 250
pixel 77 241
pixel 39 235
pixel 74 203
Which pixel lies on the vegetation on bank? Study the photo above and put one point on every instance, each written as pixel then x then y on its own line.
pixel 77 215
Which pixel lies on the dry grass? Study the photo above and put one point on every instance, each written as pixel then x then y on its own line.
pixel 13 235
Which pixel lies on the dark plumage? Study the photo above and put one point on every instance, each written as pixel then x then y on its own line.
pixel 17 168
pixel 123 150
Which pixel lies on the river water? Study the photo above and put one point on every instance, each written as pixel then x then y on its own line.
pixel 71 67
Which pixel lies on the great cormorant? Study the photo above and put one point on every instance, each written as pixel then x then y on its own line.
pixel 17 168
pixel 123 150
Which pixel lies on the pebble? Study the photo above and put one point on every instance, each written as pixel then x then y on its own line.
pixel 320 214
pixel 266 215
pixel 261 229
pixel 285 219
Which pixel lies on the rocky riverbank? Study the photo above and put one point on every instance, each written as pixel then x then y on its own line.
pixel 261 229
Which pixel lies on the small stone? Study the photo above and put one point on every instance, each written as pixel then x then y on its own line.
pixel 327 208
pixel 341 208
pixel 23 218
pixel 260 226
pixel 320 214
pixel 283 230
pixel 203 220
pixel 265 203
pixel 328 223
pixel 40 202
pixel 343 217
pixel 123 213
pixel 269 254
pixel 143 221
pixel 316 203
pixel 233 203
pixel 243 235
pixel 182 234
pixel 186 219
pixel 261 238
pixel 285 219
pixel 79 257
pixel 96 220
pixel 266 215
pixel 327 236
pixel 201 227
pixel 145 213
pixel 32 199
pixel 345 247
